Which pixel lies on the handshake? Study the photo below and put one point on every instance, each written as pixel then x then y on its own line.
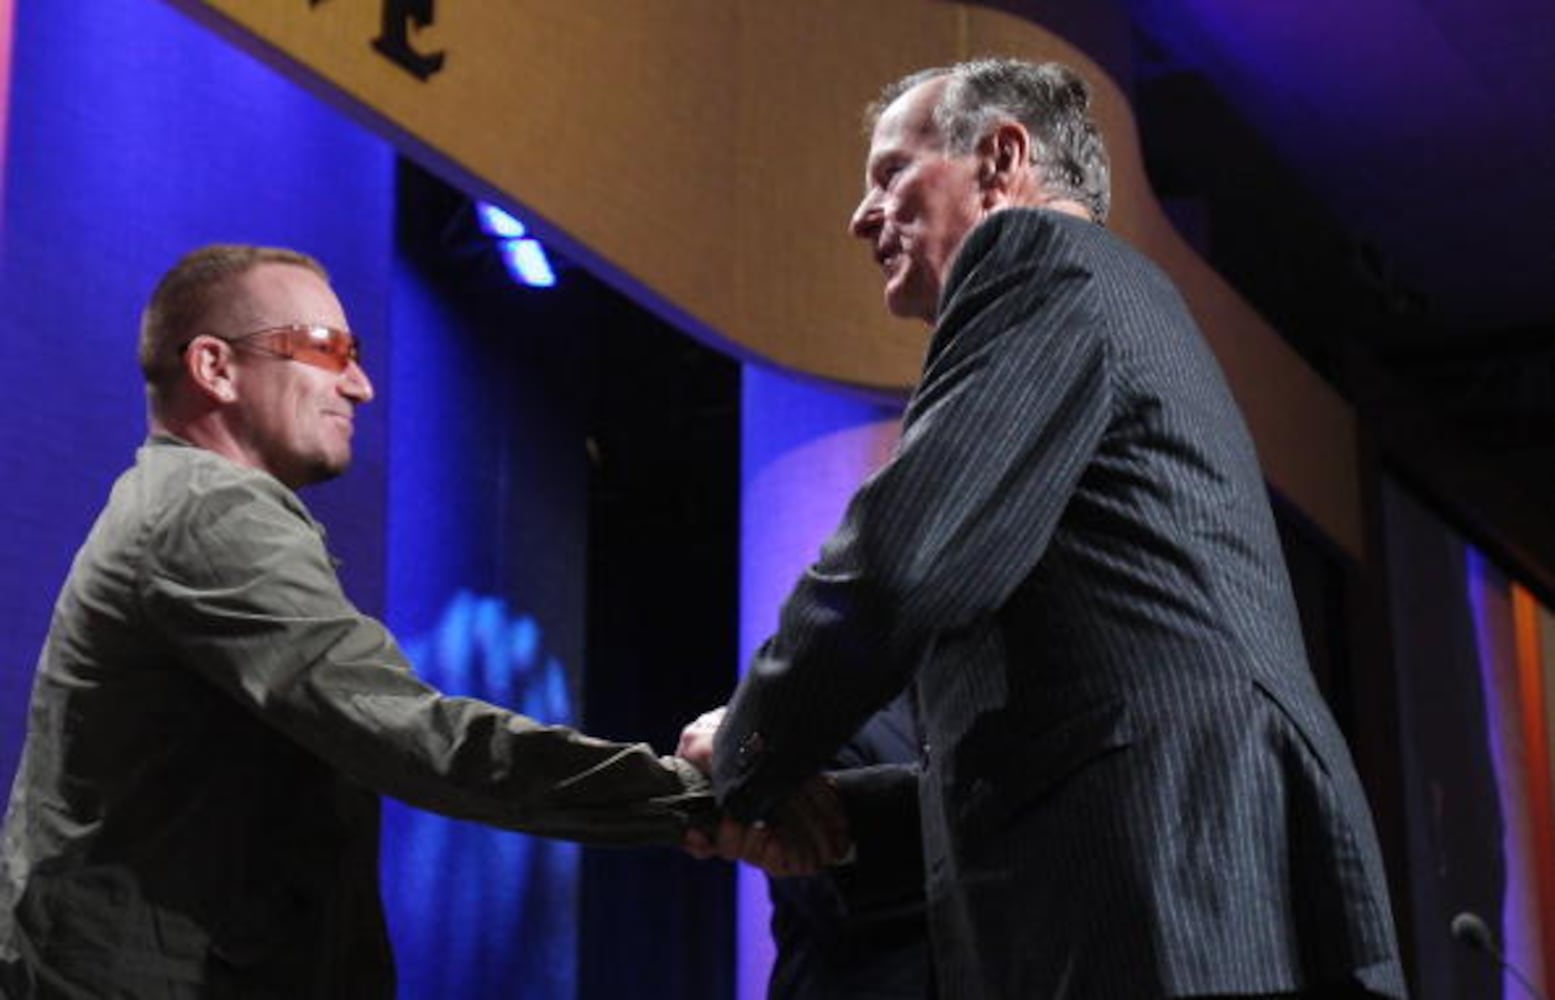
pixel 807 833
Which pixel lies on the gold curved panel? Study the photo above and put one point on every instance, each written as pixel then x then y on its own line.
pixel 705 155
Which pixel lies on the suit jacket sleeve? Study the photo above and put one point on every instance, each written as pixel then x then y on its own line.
pixel 238 582
pixel 1013 402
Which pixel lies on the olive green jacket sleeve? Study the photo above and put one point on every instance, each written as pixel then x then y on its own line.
pixel 235 577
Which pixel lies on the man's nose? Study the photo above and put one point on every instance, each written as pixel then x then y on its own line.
pixel 355 385
pixel 866 218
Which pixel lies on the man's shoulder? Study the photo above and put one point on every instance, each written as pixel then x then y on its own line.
pixel 1023 233
pixel 177 468
pixel 1034 240
pixel 1018 252
pixel 174 481
pixel 1055 244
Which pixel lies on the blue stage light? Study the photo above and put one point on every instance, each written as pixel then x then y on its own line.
pixel 523 255
pixel 527 263
pixel 495 222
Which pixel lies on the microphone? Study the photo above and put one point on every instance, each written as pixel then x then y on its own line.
pixel 1472 931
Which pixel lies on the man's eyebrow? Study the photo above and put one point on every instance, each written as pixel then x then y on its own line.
pixel 880 159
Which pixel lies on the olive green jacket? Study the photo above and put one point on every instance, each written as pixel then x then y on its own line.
pixel 196 810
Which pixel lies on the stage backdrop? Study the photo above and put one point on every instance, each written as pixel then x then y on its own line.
pixel 1475 670
pixel 484 549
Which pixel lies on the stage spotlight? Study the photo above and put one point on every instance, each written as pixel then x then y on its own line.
pixel 523 255
pixel 527 263
pixel 495 222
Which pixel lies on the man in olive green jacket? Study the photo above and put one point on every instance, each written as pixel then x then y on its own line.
pixel 196 810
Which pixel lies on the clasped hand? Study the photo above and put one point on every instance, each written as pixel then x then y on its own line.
pixel 807 832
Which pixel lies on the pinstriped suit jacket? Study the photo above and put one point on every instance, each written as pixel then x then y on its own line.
pixel 1131 786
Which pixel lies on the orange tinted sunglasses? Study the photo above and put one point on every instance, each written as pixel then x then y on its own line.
pixel 309 343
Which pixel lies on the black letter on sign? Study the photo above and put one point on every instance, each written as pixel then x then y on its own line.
pixel 395 40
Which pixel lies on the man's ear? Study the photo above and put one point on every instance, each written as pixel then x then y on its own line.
pixel 208 361
pixel 1005 162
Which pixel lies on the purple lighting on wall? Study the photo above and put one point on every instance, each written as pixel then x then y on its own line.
pixel 804 450
pixel 1489 595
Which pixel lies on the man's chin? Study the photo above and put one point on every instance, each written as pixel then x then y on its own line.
pixel 324 470
pixel 905 307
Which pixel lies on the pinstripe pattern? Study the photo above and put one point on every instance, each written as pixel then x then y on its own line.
pixel 1131 787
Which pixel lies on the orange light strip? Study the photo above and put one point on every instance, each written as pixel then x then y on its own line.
pixel 1536 741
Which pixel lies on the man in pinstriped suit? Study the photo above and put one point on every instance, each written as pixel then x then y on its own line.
pixel 1131 787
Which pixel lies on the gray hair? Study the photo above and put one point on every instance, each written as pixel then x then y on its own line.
pixel 1051 100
